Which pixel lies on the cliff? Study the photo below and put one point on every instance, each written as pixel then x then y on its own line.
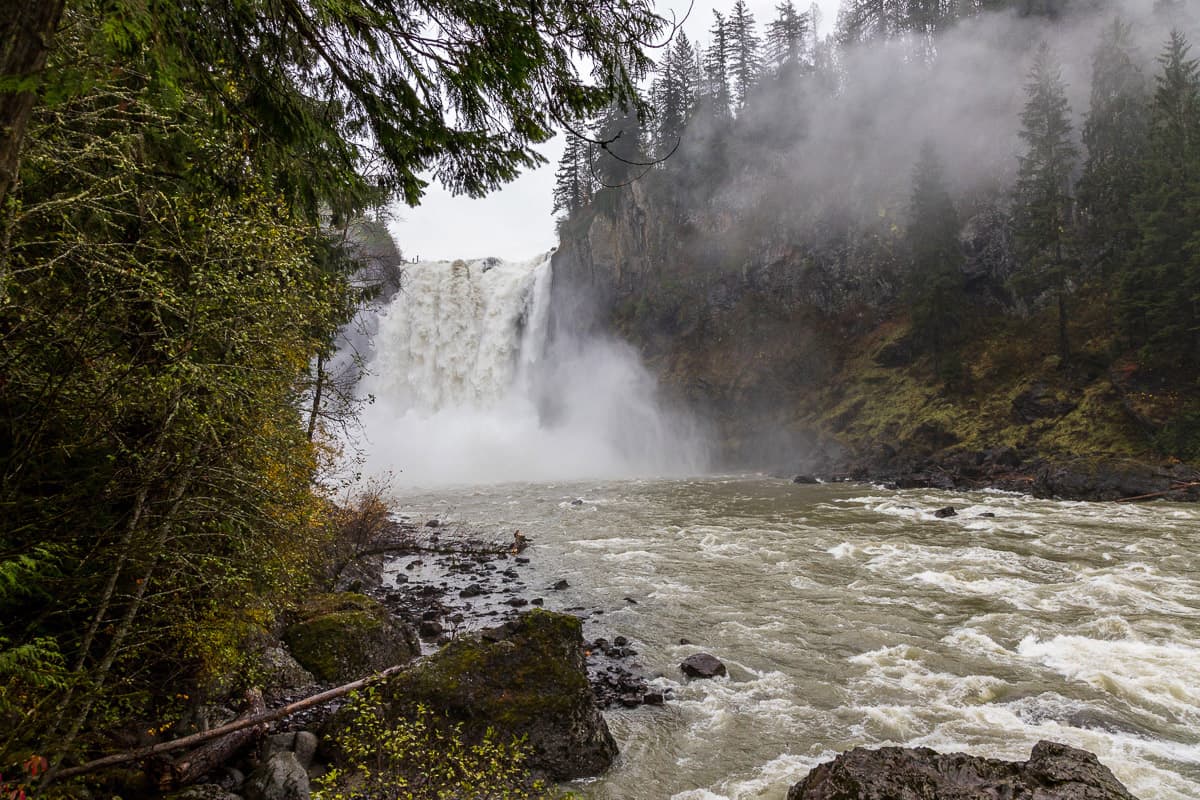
pixel 803 357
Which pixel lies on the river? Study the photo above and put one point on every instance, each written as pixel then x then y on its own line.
pixel 850 615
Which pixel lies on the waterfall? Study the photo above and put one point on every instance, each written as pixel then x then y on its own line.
pixel 465 386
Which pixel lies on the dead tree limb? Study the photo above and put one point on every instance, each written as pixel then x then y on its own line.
pixel 239 724
pixel 1175 487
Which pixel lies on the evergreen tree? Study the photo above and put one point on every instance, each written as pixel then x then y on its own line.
pixel 673 94
pixel 1042 205
pixel 1115 137
pixel 716 95
pixel 1162 293
pixel 787 39
pixel 620 157
pixel 745 62
pixel 935 286
pixel 573 178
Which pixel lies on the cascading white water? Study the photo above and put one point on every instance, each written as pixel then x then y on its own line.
pixel 467 389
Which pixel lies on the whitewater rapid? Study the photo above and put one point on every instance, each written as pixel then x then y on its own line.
pixel 850 616
pixel 467 383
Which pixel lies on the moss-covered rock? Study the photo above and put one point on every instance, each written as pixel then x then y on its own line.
pixel 526 678
pixel 341 637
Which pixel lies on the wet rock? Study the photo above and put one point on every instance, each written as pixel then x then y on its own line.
pixel 430 629
pixel 702 665
pixel 283 673
pixel 987 514
pixel 1104 479
pixel 345 636
pixel 653 698
pixel 537 601
pixel 620 641
pixel 527 678
pixel 471 590
pixel 1053 772
pixel 517 602
pixel 560 585
pixel 943 513
pixel 631 601
pixel 281 777
pixel 577 502
pixel 804 479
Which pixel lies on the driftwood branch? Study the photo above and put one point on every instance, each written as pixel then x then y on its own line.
pixel 1175 487
pixel 238 724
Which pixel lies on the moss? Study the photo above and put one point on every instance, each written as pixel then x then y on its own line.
pixel 346 636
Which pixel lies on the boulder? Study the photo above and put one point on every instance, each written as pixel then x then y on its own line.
pixel 341 637
pixel 947 511
pixel 1102 479
pixel 702 665
pixel 281 777
pixel 524 678
pixel 283 673
pixel 1053 772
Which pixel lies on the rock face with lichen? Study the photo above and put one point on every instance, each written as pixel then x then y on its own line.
pixel 342 637
pixel 526 678
pixel 1053 772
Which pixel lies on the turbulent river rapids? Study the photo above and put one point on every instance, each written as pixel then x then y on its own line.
pixel 847 615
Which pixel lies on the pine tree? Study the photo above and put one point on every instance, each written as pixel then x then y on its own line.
pixel 745 62
pixel 716 94
pixel 935 286
pixel 1160 297
pixel 673 94
pixel 1115 137
pixel 787 39
pixel 573 178
pixel 1042 205
pixel 620 157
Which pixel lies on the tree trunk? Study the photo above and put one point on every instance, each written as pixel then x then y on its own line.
pixel 26 28
pixel 317 391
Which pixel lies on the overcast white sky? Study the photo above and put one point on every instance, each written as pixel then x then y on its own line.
pixel 514 223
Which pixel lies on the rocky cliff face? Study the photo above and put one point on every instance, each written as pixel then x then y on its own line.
pixel 801 356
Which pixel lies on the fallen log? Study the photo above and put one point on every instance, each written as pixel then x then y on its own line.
pixel 204 759
pixel 242 723
pixel 1175 487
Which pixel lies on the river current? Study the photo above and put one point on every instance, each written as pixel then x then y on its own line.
pixel 850 615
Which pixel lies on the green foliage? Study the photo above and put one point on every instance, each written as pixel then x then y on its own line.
pixel 422 757
pixel 935 283
pixel 1042 203
pixel 1161 289
pixel 1180 436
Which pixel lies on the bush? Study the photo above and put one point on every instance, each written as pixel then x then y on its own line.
pixel 423 757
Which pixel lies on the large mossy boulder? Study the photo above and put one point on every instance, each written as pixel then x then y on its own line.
pixel 1053 772
pixel 342 637
pixel 526 678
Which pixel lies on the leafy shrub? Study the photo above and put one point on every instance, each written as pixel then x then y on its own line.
pixel 423 757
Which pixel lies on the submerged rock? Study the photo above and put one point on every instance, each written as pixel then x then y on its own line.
pixel 524 678
pixel 341 637
pixel 1053 772
pixel 702 665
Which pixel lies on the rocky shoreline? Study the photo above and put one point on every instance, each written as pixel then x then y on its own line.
pixel 1014 470
pixel 485 652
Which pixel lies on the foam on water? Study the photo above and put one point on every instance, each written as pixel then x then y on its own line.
pixel 847 620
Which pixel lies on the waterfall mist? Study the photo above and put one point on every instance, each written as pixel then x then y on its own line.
pixel 466 385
